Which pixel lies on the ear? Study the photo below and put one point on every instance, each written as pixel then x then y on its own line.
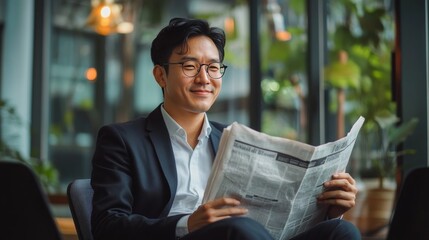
pixel 160 75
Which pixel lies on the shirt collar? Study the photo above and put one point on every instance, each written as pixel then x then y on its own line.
pixel 175 129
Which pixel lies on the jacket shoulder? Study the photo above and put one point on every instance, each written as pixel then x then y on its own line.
pixel 218 126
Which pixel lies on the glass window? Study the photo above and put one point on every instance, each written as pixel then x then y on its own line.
pixel 2 13
pixel 72 88
pixel 283 40
pixel 358 73
pixel 358 82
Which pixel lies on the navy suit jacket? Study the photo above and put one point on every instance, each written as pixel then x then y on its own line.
pixel 134 179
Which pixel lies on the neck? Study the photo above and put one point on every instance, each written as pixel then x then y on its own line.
pixel 193 129
pixel 191 122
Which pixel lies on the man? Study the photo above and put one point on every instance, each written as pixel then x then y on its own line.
pixel 149 174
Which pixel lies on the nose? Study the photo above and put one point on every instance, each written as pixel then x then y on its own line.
pixel 202 76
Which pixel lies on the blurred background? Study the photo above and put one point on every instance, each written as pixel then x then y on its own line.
pixel 304 70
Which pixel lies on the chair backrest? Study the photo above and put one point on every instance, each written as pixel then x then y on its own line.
pixel 411 216
pixel 24 209
pixel 80 193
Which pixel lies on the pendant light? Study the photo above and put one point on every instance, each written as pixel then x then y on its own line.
pixel 106 18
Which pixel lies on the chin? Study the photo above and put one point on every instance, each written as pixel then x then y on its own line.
pixel 201 108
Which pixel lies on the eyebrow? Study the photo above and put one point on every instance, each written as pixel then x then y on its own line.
pixel 187 58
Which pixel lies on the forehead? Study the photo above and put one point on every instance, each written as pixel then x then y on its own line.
pixel 197 47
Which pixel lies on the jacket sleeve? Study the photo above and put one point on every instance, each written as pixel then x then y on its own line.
pixel 113 180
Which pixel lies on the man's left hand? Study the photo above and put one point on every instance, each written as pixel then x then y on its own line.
pixel 340 194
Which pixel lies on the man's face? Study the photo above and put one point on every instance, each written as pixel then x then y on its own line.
pixel 183 94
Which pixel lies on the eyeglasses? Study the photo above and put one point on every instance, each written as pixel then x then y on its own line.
pixel 191 68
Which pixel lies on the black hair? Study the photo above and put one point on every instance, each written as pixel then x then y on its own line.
pixel 177 33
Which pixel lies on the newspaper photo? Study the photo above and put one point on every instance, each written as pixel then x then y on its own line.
pixel 277 179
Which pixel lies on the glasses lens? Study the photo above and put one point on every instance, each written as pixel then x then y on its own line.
pixel 192 68
pixel 215 70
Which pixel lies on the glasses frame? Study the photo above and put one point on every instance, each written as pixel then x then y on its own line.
pixel 222 66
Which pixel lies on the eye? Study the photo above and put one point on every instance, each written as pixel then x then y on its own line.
pixel 214 67
pixel 189 65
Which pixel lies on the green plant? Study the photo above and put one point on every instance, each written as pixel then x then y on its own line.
pixel 365 30
pixel 393 134
pixel 45 171
pixel 341 75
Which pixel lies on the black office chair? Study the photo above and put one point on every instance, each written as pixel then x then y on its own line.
pixel 24 209
pixel 411 216
pixel 80 193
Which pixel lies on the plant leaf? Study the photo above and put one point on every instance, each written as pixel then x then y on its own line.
pixel 400 133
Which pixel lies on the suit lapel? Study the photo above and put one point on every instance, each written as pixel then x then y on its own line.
pixel 215 138
pixel 160 138
pixel 158 133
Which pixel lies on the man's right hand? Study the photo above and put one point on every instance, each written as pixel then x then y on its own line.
pixel 213 211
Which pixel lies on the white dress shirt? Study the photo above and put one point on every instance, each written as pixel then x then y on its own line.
pixel 193 169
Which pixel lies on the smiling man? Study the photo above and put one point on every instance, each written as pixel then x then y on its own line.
pixel 149 174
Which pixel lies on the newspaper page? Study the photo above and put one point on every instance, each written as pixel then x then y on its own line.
pixel 277 179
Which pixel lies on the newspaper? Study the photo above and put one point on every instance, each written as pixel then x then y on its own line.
pixel 277 179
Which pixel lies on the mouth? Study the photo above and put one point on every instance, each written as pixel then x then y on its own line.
pixel 201 91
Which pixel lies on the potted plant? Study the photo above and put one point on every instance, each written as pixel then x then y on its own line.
pixel 392 135
pixel 380 200
pixel 46 172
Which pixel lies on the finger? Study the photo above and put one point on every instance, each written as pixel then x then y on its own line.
pixel 343 184
pixel 208 211
pixel 222 207
pixel 214 211
pixel 347 204
pixel 222 211
pixel 221 203
pixel 337 194
pixel 344 175
pixel 231 211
